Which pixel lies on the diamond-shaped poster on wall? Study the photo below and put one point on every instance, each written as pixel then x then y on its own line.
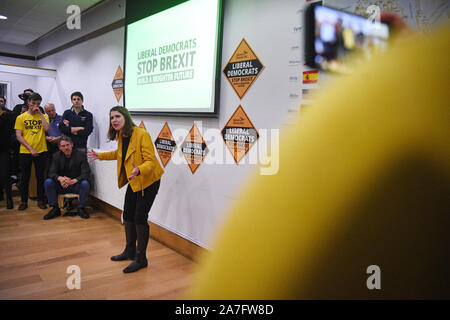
pixel 194 149
pixel 142 125
pixel 239 134
pixel 243 68
pixel 117 83
pixel 165 144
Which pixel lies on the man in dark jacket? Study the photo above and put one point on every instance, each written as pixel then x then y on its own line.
pixel 3 104
pixel 77 122
pixel 69 173
pixel 6 125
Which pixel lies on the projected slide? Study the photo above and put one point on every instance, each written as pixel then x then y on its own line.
pixel 171 59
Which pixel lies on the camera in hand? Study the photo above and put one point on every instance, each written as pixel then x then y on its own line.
pixel 24 96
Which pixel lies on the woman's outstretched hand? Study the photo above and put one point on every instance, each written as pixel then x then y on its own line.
pixel 135 172
pixel 92 155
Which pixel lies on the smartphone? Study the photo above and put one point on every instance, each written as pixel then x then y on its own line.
pixel 337 41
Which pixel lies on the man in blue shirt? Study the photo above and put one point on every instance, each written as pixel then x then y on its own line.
pixel 77 122
pixel 53 134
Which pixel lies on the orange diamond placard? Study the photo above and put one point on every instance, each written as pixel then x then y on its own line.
pixel 142 125
pixel 239 134
pixel 243 68
pixel 194 149
pixel 117 84
pixel 165 144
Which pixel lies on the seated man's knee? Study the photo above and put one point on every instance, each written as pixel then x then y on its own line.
pixel 48 182
pixel 85 184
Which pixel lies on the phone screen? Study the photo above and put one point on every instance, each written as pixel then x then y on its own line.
pixel 342 40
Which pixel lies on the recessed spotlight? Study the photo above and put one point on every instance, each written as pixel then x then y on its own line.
pixel 2 17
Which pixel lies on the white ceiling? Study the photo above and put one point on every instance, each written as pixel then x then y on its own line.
pixel 28 20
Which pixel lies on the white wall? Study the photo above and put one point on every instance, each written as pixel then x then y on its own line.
pixel 18 83
pixel 192 206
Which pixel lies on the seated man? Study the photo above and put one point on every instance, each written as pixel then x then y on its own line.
pixel 69 173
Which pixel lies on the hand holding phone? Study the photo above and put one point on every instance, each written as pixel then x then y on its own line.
pixel 336 40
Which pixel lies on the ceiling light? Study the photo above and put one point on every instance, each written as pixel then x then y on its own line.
pixel 3 17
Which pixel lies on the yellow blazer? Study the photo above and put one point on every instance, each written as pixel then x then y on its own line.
pixel 141 152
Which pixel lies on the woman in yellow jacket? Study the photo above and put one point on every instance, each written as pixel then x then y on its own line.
pixel 136 164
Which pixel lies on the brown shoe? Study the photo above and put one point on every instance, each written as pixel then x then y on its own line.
pixel 23 206
pixel 42 205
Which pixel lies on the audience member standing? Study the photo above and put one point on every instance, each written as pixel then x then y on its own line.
pixel 21 107
pixel 17 111
pixel 77 122
pixel 53 134
pixel 6 125
pixel 30 132
pixel 3 104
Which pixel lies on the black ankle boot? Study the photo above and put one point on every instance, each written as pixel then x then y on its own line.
pixel 130 250
pixel 142 241
pixel 9 203
pixel 9 200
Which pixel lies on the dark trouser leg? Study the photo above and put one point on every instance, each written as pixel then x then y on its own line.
pixel 50 190
pixel 40 163
pixel 25 167
pixel 5 181
pixel 82 188
pixel 129 206
pixel 129 252
pixel 85 187
pixel 15 159
pixel 143 206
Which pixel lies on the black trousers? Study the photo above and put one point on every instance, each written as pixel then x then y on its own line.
pixel 137 207
pixel 5 181
pixel 40 162
pixel 15 158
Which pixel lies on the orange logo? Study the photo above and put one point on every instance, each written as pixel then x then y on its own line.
pixel 165 144
pixel 243 68
pixel 117 84
pixel 239 134
pixel 194 149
